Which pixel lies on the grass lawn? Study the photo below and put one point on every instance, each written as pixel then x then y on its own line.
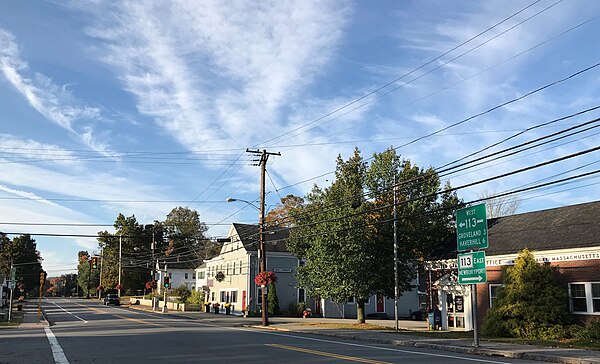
pixel 16 320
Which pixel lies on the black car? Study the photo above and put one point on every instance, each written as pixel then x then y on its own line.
pixel 112 299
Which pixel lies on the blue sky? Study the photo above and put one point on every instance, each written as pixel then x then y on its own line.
pixel 138 107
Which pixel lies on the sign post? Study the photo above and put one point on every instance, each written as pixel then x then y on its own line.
pixel 472 233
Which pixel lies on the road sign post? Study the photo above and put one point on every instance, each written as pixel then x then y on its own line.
pixel 471 228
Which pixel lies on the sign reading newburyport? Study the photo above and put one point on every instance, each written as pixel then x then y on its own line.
pixel 471 268
pixel 471 228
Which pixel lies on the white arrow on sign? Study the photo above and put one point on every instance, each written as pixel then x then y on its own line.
pixel 469 279
pixel 462 224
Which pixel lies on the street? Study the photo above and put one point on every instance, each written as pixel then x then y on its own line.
pixel 88 332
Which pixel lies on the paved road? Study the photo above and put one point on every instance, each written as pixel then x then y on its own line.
pixel 87 332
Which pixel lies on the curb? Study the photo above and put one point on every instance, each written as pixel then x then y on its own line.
pixel 460 349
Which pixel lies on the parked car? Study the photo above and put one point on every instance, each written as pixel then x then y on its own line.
pixel 420 315
pixel 112 299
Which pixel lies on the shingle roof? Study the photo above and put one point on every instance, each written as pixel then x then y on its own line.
pixel 574 226
pixel 275 238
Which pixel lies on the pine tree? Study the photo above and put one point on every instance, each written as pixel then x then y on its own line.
pixel 273 300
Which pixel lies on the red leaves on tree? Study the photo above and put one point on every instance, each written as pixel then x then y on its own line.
pixel 151 285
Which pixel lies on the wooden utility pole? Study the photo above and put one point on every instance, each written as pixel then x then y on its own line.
pixel 264 156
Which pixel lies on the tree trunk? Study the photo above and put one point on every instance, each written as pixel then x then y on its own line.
pixel 360 311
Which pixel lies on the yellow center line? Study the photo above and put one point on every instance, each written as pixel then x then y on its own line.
pixel 331 355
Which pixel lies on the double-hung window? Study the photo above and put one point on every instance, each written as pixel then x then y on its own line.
pixel 584 297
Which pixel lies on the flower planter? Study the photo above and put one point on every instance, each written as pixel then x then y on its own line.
pixel 216 309
pixel 227 310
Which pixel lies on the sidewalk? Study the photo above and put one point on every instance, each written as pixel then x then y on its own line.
pixel 408 339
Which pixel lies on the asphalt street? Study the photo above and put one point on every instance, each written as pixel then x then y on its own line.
pixel 88 332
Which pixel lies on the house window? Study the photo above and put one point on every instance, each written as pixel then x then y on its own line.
pixel 577 297
pixel 596 297
pixel 213 296
pixel 185 276
pixel 234 296
pixel 240 267
pixel 300 263
pixel 301 295
pixel 494 292
pixel 227 269
pixel 223 296
pixel 233 267
pixel 351 300
pixel 200 275
pixel 194 275
pixel 170 275
pixel 259 296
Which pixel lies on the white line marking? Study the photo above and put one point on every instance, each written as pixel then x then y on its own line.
pixel 57 351
pixel 69 312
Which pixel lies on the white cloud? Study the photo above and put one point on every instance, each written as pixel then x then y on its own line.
pixel 172 57
pixel 54 102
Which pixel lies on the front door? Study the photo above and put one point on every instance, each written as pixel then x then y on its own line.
pixel 380 305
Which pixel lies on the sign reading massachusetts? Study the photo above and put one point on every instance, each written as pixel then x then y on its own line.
pixel 471 228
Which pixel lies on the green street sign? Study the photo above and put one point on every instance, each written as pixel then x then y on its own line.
pixel 471 268
pixel 471 228
pixel 13 273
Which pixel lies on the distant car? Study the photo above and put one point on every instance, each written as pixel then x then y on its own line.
pixel 112 299
pixel 420 315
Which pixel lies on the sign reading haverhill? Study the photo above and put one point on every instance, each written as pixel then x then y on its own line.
pixel 471 268
pixel 471 228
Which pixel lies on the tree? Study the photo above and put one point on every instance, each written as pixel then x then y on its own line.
pixel 273 300
pixel 22 252
pixel 87 278
pixel 286 211
pixel 499 206
pixel 531 305
pixel 185 233
pixel 345 232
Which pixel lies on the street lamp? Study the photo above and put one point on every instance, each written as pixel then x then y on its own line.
pixel 261 249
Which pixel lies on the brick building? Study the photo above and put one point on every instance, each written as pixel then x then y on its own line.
pixel 565 237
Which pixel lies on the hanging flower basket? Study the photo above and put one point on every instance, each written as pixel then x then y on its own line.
pixel 151 284
pixel 264 278
pixel 119 287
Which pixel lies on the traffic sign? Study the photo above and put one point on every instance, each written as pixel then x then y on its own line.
pixel 471 268
pixel 13 273
pixel 12 285
pixel 471 228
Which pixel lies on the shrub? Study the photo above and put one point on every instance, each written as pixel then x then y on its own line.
pixel 273 306
pixel 182 293
pixel 591 332
pixel 196 298
pixel 531 305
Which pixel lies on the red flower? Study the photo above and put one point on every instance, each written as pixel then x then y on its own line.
pixel 264 278
pixel 151 284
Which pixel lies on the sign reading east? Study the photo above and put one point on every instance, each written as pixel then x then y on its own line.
pixel 471 228
pixel 471 268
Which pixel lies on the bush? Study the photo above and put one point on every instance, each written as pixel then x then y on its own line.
pixel 273 301
pixel 182 293
pixel 531 305
pixel 196 298
pixel 590 333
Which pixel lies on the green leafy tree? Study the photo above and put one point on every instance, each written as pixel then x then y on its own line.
pixel 273 300
pixel 531 305
pixel 338 264
pixel 345 232
pixel 185 232
pixel 182 292
pixel 22 252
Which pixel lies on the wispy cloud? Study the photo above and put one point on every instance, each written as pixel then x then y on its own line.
pixel 54 102
pixel 172 57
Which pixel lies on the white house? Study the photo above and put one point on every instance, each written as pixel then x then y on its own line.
pixel 179 274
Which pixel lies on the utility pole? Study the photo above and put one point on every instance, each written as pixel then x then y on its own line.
pixel 89 277
pixel 120 246
pixel 13 282
pixel 264 156
pixel 153 274
pixel 101 265
pixel 165 309
pixel 395 258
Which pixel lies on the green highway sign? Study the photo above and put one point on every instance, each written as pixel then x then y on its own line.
pixel 471 268
pixel 13 273
pixel 471 228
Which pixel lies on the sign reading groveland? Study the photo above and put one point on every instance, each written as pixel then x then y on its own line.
pixel 471 233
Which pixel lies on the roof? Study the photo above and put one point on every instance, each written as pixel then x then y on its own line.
pixel 574 226
pixel 566 227
pixel 275 238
